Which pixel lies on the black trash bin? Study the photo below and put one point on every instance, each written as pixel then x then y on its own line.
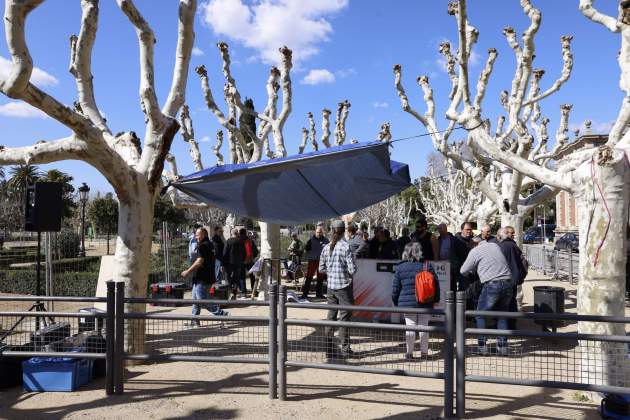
pixel 549 300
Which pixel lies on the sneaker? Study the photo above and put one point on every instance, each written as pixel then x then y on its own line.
pixel 502 350
pixel 408 356
pixel 482 350
pixel 193 324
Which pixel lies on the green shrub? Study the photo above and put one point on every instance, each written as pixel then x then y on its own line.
pixel 67 244
pixel 65 284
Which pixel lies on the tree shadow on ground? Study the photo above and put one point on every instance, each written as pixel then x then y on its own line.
pixel 151 390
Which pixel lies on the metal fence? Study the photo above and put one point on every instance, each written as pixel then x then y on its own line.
pixel 280 340
pixel 28 330
pixel 562 265
pixel 566 360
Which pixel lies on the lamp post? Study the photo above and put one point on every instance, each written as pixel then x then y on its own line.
pixel 84 191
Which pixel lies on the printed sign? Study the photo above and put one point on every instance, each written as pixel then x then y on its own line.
pixel 372 286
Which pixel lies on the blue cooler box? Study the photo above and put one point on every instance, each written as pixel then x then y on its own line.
pixel 55 373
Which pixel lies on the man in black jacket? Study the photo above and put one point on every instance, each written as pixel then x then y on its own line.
pixel 203 273
pixel 455 252
pixel 233 257
pixel 514 258
pixel 219 245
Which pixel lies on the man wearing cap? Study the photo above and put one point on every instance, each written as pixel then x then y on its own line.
pixel 337 261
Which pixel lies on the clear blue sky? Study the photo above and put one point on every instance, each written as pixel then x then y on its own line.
pixel 355 41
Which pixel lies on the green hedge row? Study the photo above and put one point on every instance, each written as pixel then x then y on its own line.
pixel 65 284
pixel 91 263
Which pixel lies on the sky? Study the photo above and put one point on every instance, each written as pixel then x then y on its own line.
pixel 342 49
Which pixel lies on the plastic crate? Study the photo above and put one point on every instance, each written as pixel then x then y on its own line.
pixel 167 291
pixel 55 374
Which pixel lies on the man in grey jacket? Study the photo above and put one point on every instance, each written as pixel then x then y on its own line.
pixel 488 261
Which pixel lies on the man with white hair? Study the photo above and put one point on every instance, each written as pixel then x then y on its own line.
pixel 488 261
pixel 485 234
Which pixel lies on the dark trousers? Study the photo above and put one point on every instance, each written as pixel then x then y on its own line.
pixel 495 296
pixel 235 276
pixel 343 296
pixel 312 269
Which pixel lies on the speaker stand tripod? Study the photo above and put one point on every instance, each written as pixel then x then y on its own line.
pixel 38 306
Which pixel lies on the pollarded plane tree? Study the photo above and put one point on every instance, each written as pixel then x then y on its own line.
pixel 132 166
pixel 245 143
pixel 451 198
pixel 598 178
pixel 343 110
pixel 513 132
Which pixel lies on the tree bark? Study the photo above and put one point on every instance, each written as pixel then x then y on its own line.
pixel 269 248
pixel 133 249
pixel 602 204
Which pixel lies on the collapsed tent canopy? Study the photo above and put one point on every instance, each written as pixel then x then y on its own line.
pixel 302 188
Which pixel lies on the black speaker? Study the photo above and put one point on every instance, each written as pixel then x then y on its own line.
pixel 42 211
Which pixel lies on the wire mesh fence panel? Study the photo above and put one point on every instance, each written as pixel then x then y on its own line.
pixel 212 338
pixel 53 333
pixel 558 360
pixel 372 348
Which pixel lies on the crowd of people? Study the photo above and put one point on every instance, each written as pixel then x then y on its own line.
pixel 489 269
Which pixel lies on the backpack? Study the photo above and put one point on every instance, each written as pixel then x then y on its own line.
pixel 425 286
pixel 249 251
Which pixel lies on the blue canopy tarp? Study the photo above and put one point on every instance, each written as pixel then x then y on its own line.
pixel 302 188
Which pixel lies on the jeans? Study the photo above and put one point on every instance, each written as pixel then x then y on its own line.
pixel 201 291
pixel 495 296
pixel 343 296
pixel 217 270
pixel 410 336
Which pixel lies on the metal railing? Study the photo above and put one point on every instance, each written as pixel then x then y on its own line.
pixel 280 340
pixel 35 332
pixel 376 347
pixel 562 265
pixel 565 360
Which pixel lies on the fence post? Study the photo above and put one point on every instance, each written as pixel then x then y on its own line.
pixel 460 341
pixel 273 341
pixel 120 338
pixel 571 266
pixel 449 322
pixel 109 338
pixel 282 343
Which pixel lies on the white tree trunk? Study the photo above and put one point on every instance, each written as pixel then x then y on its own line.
pixel 602 282
pixel 269 248
pixel 133 249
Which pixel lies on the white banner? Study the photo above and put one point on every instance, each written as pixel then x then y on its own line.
pixel 372 286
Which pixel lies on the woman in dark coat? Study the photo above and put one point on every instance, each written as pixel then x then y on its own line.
pixel 404 295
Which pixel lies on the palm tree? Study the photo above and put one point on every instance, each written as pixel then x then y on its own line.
pixel 21 176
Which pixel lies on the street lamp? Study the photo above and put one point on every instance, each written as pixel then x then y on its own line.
pixel 84 191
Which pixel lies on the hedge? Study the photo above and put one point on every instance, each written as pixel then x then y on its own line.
pixel 65 284
pixel 91 263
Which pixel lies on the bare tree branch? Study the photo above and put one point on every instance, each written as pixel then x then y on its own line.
pixel 185 41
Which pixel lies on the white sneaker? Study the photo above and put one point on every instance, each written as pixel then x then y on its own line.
pixel 482 350
pixel 502 350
